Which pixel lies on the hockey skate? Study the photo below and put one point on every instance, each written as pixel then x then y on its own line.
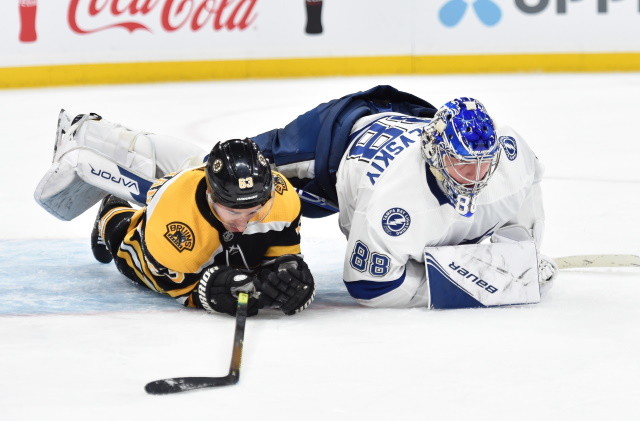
pixel 61 191
pixel 99 246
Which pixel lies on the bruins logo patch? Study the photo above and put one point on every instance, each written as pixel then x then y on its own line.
pixel 180 236
pixel 279 184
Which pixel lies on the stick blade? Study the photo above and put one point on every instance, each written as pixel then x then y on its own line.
pixel 183 384
pixel 598 261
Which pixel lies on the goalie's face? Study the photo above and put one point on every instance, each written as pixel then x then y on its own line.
pixel 466 173
pixel 463 178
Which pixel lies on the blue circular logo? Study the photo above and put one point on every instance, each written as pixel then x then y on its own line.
pixel 510 147
pixel 396 221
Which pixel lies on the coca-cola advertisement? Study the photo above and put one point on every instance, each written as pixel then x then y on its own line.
pixel 84 17
pixel 93 31
pixel 91 16
pixel 275 38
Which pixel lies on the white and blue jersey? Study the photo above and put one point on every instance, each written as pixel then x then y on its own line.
pixel 308 150
pixel 361 154
pixel 391 207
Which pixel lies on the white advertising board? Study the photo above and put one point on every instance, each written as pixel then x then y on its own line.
pixel 97 31
pixel 527 26
pixel 46 33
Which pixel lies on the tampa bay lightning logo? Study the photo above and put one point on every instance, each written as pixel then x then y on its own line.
pixel 509 146
pixel 396 221
pixel 452 12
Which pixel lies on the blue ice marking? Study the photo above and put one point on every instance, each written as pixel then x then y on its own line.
pixel 45 276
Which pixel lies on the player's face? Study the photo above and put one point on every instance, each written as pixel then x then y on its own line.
pixel 236 220
pixel 466 173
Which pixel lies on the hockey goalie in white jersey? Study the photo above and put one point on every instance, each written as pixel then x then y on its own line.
pixel 418 190
pixel 416 196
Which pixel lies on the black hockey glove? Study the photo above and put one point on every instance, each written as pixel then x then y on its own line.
pixel 218 290
pixel 286 284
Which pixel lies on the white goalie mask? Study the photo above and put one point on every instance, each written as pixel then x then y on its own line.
pixel 460 145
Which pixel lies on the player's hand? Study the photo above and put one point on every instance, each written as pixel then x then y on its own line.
pixel 286 284
pixel 218 290
pixel 547 273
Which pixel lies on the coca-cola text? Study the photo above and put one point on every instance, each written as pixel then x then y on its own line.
pixel 173 14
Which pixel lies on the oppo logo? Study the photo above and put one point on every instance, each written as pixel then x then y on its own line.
pixel 537 6
pixel 489 12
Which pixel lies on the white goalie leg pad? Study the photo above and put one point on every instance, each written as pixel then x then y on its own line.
pixel 482 275
pixel 81 178
pixel 146 154
pixel 112 177
pixel 174 154
pixel 94 158
pixel 64 194
pixel 132 150
pixel 61 192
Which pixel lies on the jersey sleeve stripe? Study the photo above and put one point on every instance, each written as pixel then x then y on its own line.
pixel 276 251
pixel 367 290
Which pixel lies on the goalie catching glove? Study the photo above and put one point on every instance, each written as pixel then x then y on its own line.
pixel 287 284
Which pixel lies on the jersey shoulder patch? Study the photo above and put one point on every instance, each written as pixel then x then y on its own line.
pixel 509 146
pixel 286 202
pixel 279 183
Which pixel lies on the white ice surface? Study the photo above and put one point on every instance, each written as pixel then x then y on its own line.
pixel 79 342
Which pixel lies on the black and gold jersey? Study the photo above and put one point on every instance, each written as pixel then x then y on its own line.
pixel 177 235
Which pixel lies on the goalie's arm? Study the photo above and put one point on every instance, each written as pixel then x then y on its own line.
pixel 377 274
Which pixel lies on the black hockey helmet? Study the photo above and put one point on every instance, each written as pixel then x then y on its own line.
pixel 238 175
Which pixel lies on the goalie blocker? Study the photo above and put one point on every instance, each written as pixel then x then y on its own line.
pixel 504 272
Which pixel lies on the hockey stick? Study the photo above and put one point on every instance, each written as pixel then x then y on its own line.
pixel 182 384
pixel 597 261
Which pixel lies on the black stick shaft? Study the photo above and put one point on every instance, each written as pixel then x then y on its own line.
pixel 238 337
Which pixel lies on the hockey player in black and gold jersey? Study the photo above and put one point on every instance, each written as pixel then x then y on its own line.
pixel 208 232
